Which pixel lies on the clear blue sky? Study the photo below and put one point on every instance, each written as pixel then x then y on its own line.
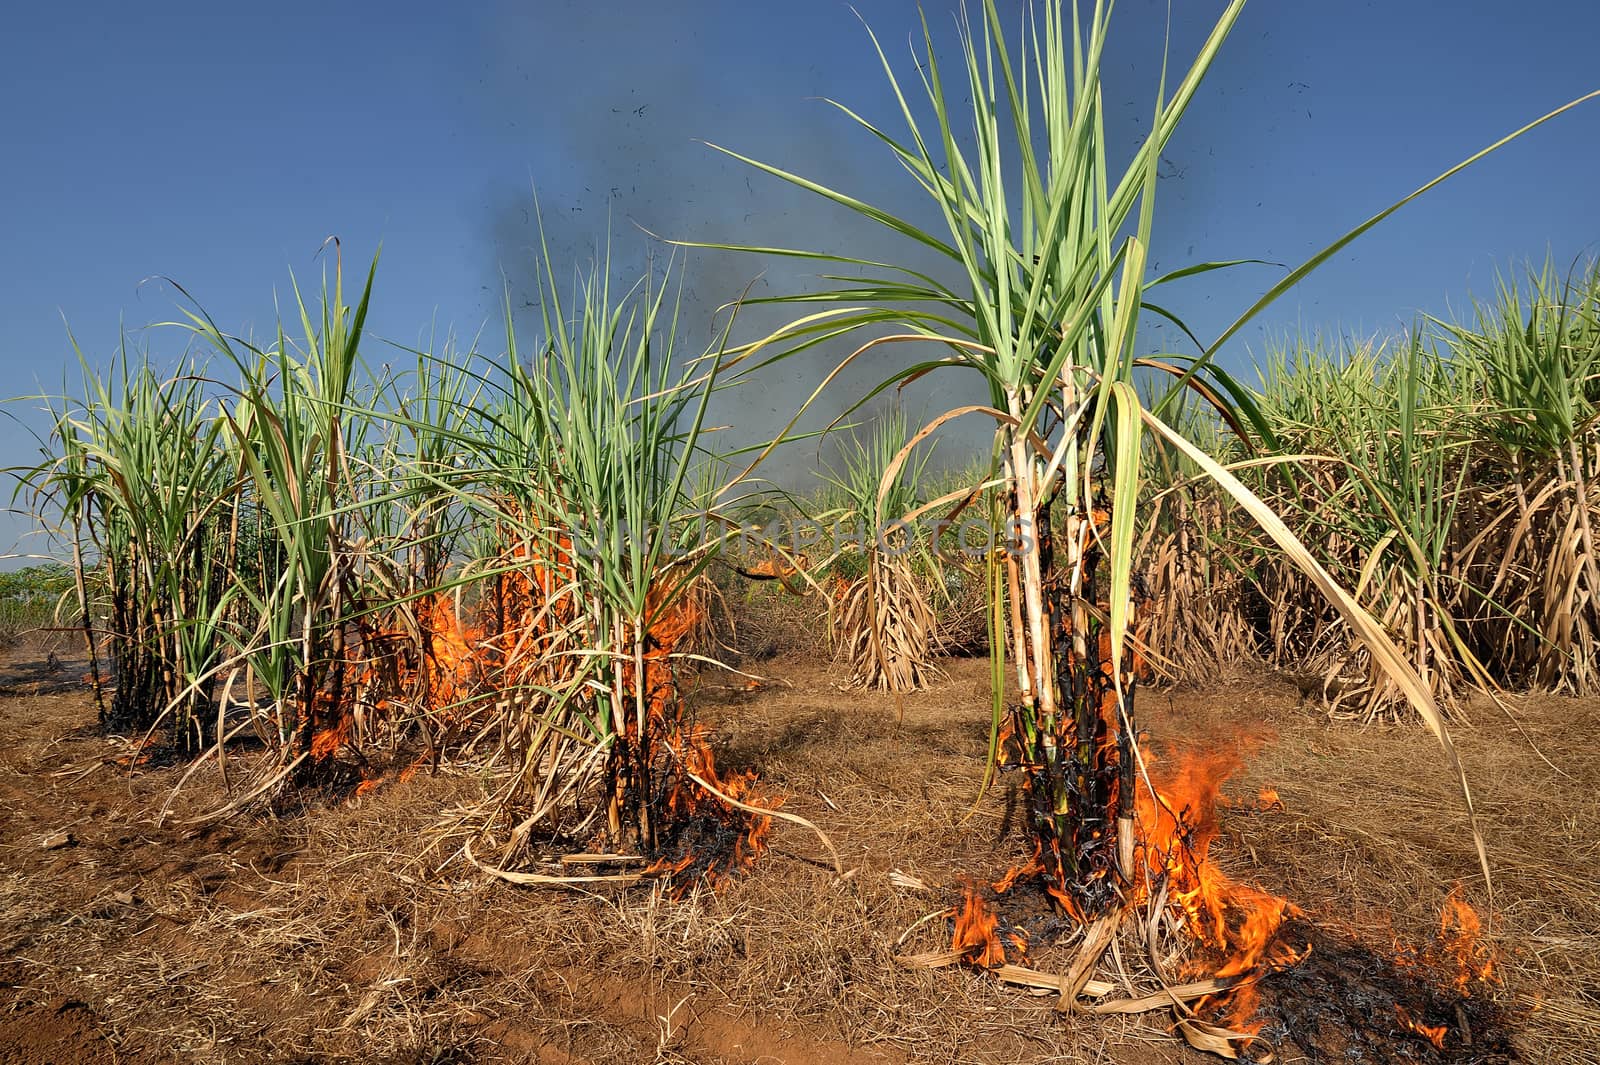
pixel 221 148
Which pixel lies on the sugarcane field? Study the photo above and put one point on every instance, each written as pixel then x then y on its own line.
pixel 957 577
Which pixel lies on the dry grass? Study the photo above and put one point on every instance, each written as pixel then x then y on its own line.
pixel 1375 838
pixel 322 937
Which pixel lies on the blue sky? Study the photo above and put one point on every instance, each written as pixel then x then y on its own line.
pixel 220 148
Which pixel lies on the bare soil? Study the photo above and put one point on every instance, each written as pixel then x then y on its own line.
pixel 335 932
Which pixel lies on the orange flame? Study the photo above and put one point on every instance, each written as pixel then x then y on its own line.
pixel 1459 949
pixel 523 621
pixel 326 742
pixel 1462 945
pixel 1234 924
pixel 1236 929
pixel 452 661
pixel 686 799
pixel 1433 1033
pixel 977 932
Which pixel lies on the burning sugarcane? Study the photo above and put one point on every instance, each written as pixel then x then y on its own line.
pixel 588 460
pixel 1050 242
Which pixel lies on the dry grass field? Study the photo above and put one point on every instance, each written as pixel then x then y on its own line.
pixel 324 933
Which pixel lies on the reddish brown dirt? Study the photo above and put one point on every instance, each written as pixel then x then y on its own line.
pixel 53 1032
pixel 331 933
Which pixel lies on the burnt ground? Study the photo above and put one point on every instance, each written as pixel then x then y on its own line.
pixel 328 933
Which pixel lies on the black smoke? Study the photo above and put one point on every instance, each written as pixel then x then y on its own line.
pixel 615 148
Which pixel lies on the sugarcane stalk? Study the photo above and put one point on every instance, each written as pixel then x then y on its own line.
pixel 86 620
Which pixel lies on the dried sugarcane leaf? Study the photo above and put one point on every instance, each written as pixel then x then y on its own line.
pixel 1018 975
pixel 542 880
pixel 1223 1042
pixel 1040 980
pixel 1164 998
pixel 767 811
pixel 1096 939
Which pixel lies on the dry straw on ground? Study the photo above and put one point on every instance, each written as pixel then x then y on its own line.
pixel 319 936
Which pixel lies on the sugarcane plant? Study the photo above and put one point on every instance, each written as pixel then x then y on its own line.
pixel 1049 244
pixel 583 459
pixel 414 532
pixel 139 471
pixel 1045 314
pixel 1393 452
pixel 1442 475
pixel 1531 358
pixel 884 620
pixel 293 425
